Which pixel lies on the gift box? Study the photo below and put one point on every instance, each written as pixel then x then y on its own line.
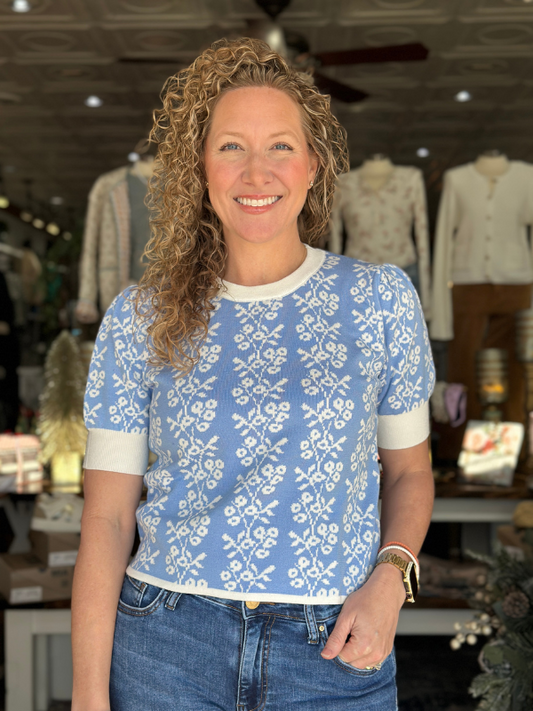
pixel 55 549
pixel 24 579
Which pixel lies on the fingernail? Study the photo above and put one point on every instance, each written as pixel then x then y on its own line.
pixel 326 654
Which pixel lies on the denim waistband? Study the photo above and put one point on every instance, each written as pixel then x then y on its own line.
pixel 310 615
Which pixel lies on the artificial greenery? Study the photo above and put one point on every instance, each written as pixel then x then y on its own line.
pixel 506 681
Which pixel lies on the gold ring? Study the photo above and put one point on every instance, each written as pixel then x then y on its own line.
pixel 377 666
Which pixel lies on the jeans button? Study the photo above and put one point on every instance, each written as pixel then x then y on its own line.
pixel 252 604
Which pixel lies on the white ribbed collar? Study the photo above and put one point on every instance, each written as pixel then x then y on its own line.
pixel 310 265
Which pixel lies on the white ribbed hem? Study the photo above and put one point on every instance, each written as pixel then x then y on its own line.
pixel 113 451
pixel 234 595
pixel 311 264
pixel 405 430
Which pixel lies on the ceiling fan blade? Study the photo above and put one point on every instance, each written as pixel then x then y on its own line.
pixel 395 53
pixel 150 60
pixel 339 91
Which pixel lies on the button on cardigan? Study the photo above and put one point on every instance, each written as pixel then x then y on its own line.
pixel 481 235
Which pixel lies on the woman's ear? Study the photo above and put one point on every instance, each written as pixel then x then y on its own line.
pixel 313 165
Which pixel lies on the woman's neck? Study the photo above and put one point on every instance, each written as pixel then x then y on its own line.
pixel 254 264
pixel 492 166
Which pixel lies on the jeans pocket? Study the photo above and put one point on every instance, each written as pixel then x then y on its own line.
pixel 138 598
pixel 345 666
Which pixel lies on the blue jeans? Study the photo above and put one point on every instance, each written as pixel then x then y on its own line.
pixel 180 652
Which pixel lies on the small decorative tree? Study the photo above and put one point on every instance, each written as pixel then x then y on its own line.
pixel 61 427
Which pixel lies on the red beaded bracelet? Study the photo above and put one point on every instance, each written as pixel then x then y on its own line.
pixel 397 543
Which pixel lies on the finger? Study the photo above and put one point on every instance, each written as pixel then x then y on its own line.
pixel 337 638
pixel 362 655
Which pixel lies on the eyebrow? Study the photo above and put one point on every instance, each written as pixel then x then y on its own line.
pixel 272 135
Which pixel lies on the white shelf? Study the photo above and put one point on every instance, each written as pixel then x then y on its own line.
pixel 466 510
pixel 426 622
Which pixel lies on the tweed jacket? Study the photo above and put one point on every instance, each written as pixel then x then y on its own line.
pixel 105 259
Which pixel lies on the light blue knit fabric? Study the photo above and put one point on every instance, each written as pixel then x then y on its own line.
pixel 266 481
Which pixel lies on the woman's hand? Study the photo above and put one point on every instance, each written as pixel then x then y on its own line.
pixel 370 616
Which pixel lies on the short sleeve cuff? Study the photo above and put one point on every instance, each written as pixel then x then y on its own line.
pixel 405 430
pixel 112 451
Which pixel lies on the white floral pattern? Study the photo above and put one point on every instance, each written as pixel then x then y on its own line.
pixel 266 480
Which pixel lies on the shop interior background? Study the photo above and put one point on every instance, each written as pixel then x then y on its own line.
pixel 79 80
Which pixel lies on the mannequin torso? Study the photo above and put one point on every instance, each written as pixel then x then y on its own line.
pixel 143 168
pixel 492 166
pixel 376 172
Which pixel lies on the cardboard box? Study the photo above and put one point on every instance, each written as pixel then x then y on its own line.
pixel 55 549
pixel 24 579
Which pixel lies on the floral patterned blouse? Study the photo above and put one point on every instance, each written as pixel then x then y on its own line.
pixel 379 223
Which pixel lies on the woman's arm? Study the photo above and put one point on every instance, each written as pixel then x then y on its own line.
pixel 107 534
pixel 370 614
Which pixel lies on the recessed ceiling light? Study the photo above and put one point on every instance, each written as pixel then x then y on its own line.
pixel 67 236
pixel 56 200
pixel 4 202
pixel 21 6
pixel 38 223
pixel 93 101
pixel 422 152
pixel 26 216
pixel 462 96
pixel 133 157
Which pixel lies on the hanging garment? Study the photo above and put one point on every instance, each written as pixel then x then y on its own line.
pixel 379 223
pixel 108 250
pixel 9 360
pixel 481 236
pixel 139 224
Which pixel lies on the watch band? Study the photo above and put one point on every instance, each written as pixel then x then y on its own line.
pixel 400 547
pixel 408 570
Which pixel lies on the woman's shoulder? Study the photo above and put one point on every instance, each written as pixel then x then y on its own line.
pixel 366 281
pixel 356 268
pixel 129 314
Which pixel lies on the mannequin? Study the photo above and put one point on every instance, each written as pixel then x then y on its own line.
pixel 376 171
pixel 378 205
pixel 483 270
pixel 116 232
pixel 492 164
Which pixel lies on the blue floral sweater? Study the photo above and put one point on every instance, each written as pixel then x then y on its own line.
pixel 266 481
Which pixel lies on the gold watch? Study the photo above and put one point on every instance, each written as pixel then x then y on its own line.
pixel 409 573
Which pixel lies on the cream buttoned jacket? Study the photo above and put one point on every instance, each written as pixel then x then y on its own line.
pixel 481 235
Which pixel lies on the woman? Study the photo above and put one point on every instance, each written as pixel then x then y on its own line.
pixel 263 374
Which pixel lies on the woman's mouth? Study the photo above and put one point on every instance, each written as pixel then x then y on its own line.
pixel 258 202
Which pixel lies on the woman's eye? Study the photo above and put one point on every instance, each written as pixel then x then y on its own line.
pixel 283 145
pixel 230 146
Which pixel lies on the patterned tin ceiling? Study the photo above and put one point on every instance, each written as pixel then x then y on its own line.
pixel 62 51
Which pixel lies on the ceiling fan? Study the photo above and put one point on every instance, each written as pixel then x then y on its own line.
pixel 295 48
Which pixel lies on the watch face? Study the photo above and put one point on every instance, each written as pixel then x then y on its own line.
pixel 413 580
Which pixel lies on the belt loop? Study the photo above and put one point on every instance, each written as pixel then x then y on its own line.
pixel 312 629
pixel 172 600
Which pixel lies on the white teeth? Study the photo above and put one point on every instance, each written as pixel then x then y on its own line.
pixel 258 203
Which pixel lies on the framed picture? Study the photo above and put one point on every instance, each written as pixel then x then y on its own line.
pixel 490 452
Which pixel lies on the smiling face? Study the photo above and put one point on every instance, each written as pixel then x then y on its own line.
pixel 258 166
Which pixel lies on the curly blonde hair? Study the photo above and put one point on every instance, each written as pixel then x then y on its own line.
pixel 186 253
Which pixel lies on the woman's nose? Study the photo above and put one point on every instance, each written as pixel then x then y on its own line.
pixel 257 170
